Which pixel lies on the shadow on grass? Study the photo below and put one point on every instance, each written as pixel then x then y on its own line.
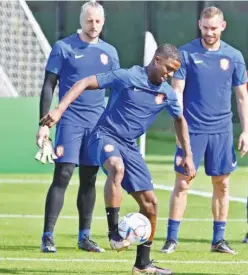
pixel 19 248
pixel 58 247
pixel 190 273
pixel 183 240
pixel 188 240
pixel 9 271
pixel 33 248
pixel 51 271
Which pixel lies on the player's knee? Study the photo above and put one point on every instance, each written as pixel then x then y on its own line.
pixel 150 206
pixel 182 186
pixel 66 174
pixel 221 184
pixel 88 176
pixel 116 167
pixel 62 174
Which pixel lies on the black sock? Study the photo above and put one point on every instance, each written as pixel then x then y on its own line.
pixel 143 255
pixel 113 218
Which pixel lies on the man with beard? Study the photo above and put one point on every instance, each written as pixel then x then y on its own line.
pixel 77 56
pixel 210 69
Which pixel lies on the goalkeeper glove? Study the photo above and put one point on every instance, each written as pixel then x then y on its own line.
pixel 46 152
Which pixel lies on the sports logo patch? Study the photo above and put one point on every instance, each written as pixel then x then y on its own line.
pixel 104 59
pixel 109 148
pixel 224 64
pixel 159 98
pixel 60 151
pixel 179 160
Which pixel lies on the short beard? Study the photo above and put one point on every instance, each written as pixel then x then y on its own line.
pixel 210 44
pixel 90 36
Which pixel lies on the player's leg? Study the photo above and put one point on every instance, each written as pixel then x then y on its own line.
pixel 106 152
pixel 54 203
pixel 178 200
pixel 67 149
pixel 85 204
pixel 86 195
pixel 148 207
pixel 138 182
pixel 113 198
pixel 220 161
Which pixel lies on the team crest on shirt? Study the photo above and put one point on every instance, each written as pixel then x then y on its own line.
pixel 179 160
pixel 104 59
pixel 109 148
pixel 60 151
pixel 159 98
pixel 224 64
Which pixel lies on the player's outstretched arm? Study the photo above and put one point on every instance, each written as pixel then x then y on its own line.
pixel 89 83
pixel 242 106
pixel 181 128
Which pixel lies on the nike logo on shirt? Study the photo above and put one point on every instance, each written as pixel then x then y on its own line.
pixel 79 56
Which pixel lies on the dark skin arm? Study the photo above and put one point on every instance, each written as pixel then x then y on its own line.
pixel 89 83
pixel 181 128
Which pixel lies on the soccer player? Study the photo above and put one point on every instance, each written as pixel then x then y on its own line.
pixel 142 94
pixel 245 240
pixel 209 70
pixel 72 58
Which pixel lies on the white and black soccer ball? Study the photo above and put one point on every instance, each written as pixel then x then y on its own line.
pixel 135 227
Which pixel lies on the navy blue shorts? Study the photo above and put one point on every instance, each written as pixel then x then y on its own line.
pixel 71 145
pixel 136 175
pixel 216 150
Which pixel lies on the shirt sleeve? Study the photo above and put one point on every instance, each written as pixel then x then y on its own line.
pixel 113 79
pixel 115 60
pixel 239 74
pixel 172 105
pixel 55 60
pixel 181 73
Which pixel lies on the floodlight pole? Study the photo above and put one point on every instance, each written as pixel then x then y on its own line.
pixel 102 32
pixel 148 27
pixel 60 22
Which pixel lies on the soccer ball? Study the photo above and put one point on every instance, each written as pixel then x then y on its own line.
pixel 135 228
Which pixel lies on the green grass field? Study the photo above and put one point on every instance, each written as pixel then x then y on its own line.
pixel 20 235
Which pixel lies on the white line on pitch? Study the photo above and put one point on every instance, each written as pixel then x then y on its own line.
pixel 120 261
pixel 26 216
